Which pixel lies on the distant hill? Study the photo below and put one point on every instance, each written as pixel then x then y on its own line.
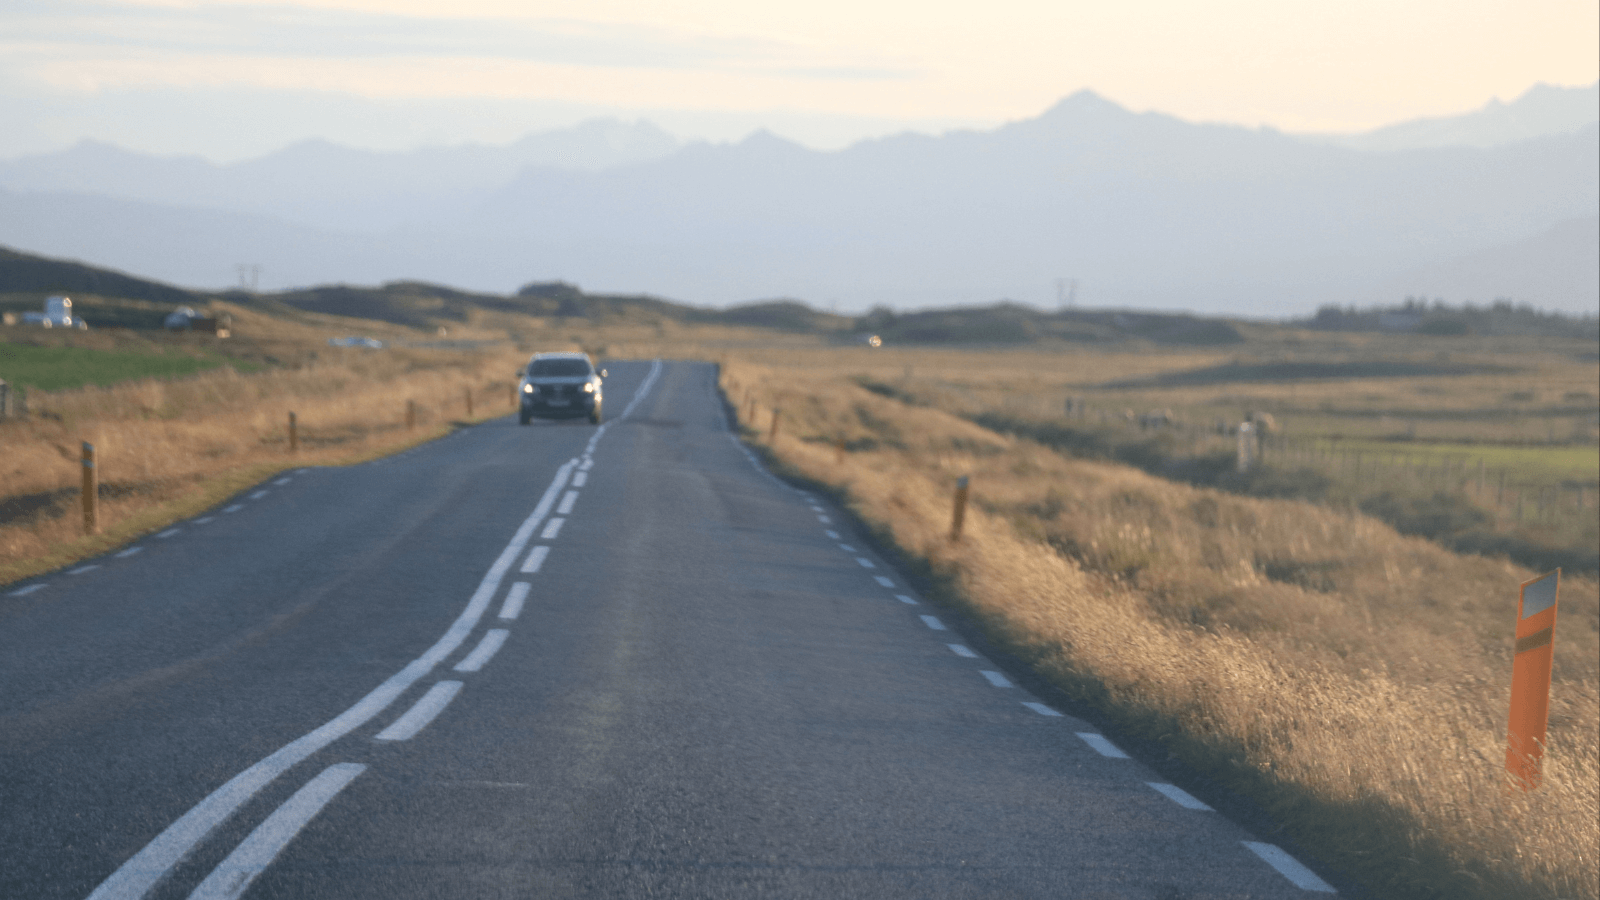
pixel 26 273
pixel 421 305
pixel 1417 316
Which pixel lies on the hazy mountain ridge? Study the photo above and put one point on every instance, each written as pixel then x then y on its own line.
pixel 1145 209
pixel 1543 110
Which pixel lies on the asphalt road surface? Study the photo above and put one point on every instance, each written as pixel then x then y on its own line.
pixel 554 661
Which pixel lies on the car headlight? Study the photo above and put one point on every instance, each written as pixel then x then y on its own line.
pixel 588 387
pixel 529 389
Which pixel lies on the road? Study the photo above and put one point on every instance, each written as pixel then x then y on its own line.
pixel 554 661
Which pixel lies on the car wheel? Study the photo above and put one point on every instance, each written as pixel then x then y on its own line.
pixel 524 418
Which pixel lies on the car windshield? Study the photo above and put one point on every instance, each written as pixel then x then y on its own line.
pixel 558 367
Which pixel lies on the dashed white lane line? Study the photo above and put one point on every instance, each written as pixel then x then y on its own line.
pixel 567 499
pixel 933 622
pixel 833 535
pixel 234 508
pixel 135 877
pixel 962 650
pixel 884 580
pixel 1178 795
pixel 258 495
pixel 1102 746
pixel 904 599
pixel 25 591
pixel 130 552
pixel 551 529
pixel 485 651
pixel 1290 868
pixel 847 548
pixel 204 520
pixel 995 678
pixel 169 532
pixel 82 569
pixel 535 558
pixel 865 563
pixel 281 481
pixel 587 465
pixel 252 857
pixel 1040 708
pixel 580 479
pixel 824 520
pixel 422 712
pixel 514 599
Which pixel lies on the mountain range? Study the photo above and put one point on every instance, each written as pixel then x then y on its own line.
pixel 1140 209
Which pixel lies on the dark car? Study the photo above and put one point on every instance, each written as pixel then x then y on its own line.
pixel 560 386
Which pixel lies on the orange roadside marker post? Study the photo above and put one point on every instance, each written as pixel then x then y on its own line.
pixel 1530 679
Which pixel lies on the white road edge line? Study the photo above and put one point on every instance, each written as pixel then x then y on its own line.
pixel 1289 867
pixel 1040 708
pixel 962 650
pixel 1102 746
pixel 933 622
pixel 82 569
pixel 252 857
pixel 580 479
pixel 1179 796
pixel 567 499
pixel 422 712
pixel 514 598
pixel 832 534
pixel 201 521
pixel 129 552
pixel 492 641
pixel 169 532
pixel 551 529
pixel 234 508
pixel 25 591
pixel 847 548
pixel 258 495
pixel 281 481
pixel 535 559
pixel 823 519
pixel 995 678
pixel 134 878
pixel 884 580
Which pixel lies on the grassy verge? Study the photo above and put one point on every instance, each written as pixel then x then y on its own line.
pixel 55 368
pixel 1349 680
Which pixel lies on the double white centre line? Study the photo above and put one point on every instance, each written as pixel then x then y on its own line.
pixel 134 878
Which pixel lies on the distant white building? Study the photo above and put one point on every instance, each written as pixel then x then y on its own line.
pixel 57 314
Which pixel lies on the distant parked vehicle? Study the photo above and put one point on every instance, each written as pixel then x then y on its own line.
pixel 369 343
pixel 186 319
pixel 57 314
pixel 560 386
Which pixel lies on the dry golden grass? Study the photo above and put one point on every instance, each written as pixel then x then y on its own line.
pixel 1354 682
pixel 169 448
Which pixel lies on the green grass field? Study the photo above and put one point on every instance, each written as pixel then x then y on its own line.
pixel 57 368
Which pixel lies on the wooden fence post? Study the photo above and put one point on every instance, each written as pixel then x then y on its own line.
pixel 772 433
pixel 294 434
pixel 91 491
pixel 469 402
pixel 411 414
pixel 958 515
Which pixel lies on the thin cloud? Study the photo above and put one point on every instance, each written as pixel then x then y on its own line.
pixel 102 29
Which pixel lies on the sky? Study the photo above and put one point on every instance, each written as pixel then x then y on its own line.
pixel 227 79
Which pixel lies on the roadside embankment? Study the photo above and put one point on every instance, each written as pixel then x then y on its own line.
pixel 1350 681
